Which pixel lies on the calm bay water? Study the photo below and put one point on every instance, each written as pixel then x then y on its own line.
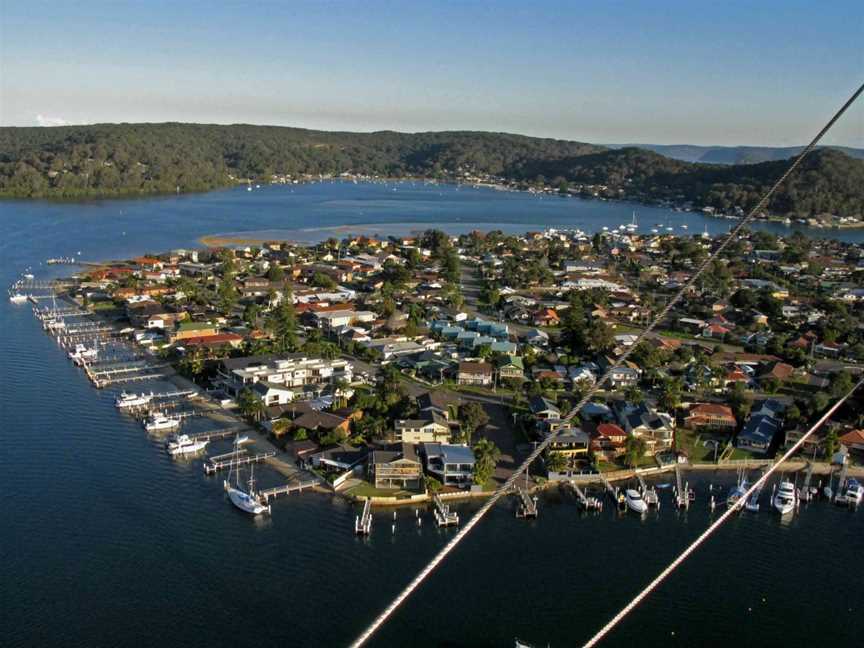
pixel 106 541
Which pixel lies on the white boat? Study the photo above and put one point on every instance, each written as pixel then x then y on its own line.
pixel 651 498
pixel 125 400
pixel 184 444
pixel 82 354
pixel 29 276
pixel 785 498
pixel 17 298
pixel 248 501
pixel 634 501
pixel 160 421
pixel 853 493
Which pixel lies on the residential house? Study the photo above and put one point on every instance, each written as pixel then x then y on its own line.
pixel 452 465
pixel 572 442
pixel 431 428
pixel 475 373
pixel 608 441
pixel 397 468
pixel 711 416
pixel 543 409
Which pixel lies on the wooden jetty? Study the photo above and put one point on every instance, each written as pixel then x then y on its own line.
pixel 683 494
pixel 839 497
pixel 363 522
pixel 807 492
pixel 220 433
pixel 443 515
pixel 648 494
pixel 586 502
pixel 527 507
pixel 287 489
pixel 211 467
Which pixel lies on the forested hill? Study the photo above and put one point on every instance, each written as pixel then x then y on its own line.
pixel 135 159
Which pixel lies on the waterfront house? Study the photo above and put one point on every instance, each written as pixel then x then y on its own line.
pixel 608 441
pixel 758 433
pixel 186 330
pixel 289 369
pixel 397 468
pixel 572 442
pixel 853 441
pixel 450 464
pixel 320 424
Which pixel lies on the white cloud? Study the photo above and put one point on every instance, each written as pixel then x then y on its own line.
pixel 42 120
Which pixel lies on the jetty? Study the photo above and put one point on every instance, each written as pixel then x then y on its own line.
pixel 212 467
pixel 286 489
pixel 527 508
pixel 648 494
pixel 363 522
pixel 443 515
pixel 807 492
pixel 219 433
pixel 586 502
pixel 683 494
pixel 839 498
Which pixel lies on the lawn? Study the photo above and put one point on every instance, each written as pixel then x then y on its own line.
pixel 365 489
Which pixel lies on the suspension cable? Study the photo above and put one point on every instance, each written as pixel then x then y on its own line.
pixel 541 447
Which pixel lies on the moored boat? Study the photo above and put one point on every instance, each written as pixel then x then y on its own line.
pixel 634 501
pixel 17 298
pixel 160 421
pixel 785 498
pixel 852 493
pixel 184 444
pixel 83 354
pixel 125 400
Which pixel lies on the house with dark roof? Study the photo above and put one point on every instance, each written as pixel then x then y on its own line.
pixel 474 373
pixel 758 433
pixel 543 409
pixel 398 467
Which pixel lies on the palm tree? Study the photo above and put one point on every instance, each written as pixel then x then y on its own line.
pixel 634 450
pixel 556 462
pixel 486 455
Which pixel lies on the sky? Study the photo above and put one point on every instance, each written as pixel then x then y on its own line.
pixel 669 72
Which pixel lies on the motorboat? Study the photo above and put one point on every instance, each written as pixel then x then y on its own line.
pixel 785 498
pixel 634 501
pixel 651 498
pixel 17 298
pixel 160 421
pixel 125 400
pixel 184 444
pixel 82 354
pixel 853 493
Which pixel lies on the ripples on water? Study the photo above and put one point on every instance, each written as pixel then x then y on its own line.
pixel 106 541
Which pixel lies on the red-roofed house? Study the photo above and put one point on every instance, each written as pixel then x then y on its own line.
pixel 853 440
pixel 546 317
pixel 608 441
pixel 712 416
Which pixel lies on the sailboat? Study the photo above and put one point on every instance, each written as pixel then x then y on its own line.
pixel 633 226
pixel 248 501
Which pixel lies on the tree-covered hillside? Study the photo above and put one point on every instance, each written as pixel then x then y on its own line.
pixel 135 159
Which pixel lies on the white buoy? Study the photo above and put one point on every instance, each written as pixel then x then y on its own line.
pixel 393 529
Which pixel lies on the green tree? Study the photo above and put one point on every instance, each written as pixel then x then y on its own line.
pixel 275 273
pixel 486 455
pixel 556 462
pixel 831 444
pixel 472 417
pixel 250 405
pixel 282 324
pixel 634 450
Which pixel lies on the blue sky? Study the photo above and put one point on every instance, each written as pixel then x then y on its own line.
pixel 764 73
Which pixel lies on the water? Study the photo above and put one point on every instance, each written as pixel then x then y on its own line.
pixel 106 541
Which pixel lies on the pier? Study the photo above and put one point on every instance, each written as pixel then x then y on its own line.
pixel 839 497
pixel 211 467
pixel 527 508
pixel 363 522
pixel 683 494
pixel 648 494
pixel 221 433
pixel 807 493
pixel 287 489
pixel 443 515
pixel 586 503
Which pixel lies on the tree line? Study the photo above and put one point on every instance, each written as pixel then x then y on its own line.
pixel 136 159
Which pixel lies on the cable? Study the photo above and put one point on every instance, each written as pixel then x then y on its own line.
pixel 541 447
pixel 711 529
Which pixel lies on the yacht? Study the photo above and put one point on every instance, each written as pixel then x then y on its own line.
pixel 29 276
pixel 17 298
pixel 82 354
pixel 852 494
pixel 248 501
pixel 125 400
pixel 634 501
pixel 184 444
pixel 160 421
pixel 785 498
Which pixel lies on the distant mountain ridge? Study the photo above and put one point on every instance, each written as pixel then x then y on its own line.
pixel 732 154
pixel 104 160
